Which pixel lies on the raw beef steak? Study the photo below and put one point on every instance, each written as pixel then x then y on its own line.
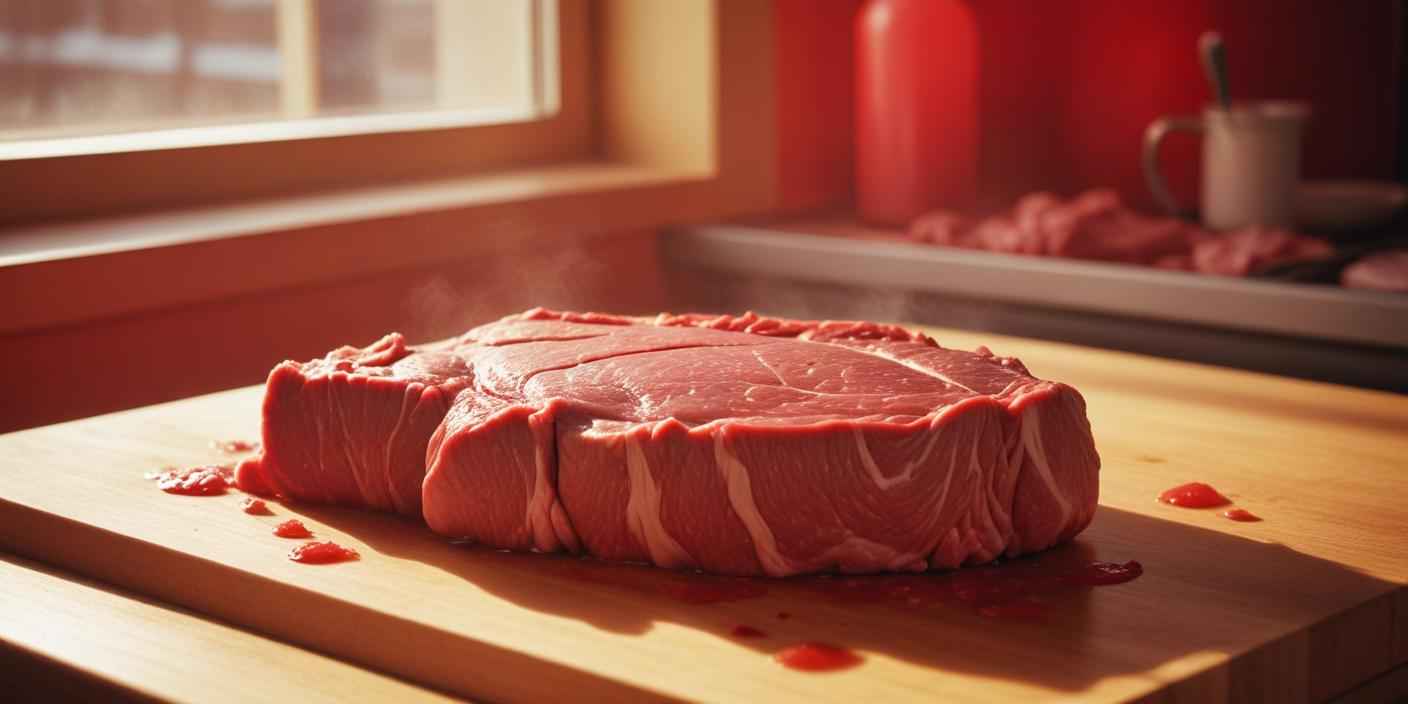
pixel 737 445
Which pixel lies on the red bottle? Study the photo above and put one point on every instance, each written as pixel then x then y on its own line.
pixel 916 108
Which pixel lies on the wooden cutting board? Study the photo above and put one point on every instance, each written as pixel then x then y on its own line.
pixel 1300 607
pixel 95 643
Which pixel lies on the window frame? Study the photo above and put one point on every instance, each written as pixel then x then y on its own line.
pixel 699 146
pixel 289 159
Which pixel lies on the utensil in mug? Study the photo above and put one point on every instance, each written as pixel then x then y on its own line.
pixel 1251 162
pixel 1213 55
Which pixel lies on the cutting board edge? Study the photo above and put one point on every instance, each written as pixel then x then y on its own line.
pixel 117 568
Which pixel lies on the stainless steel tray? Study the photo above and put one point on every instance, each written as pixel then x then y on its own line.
pixel 853 256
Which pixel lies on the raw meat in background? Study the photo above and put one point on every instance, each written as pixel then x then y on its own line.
pixel 1385 271
pixel 1247 250
pixel 1096 225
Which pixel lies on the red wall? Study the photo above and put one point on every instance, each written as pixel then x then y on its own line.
pixel 814 85
pixel 1067 88
pixel 1338 56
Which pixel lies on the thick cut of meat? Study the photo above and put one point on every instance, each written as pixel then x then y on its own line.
pixel 351 428
pixel 737 445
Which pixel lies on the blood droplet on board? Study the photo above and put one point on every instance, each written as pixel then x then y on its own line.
pixel 817 657
pixel 254 507
pixel 322 553
pixel 208 480
pixel 1194 495
pixel 1241 515
pixel 292 528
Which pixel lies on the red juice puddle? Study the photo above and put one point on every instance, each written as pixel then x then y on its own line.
pixel 1017 589
pixel 817 657
pixel 292 528
pixel 1022 608
pixel 255 507
pixel 1104 574
pixel 1241 515
pixel 712 590
pixel 680 586
pixel 322 553
pixel 208 480
pixel 234 447
pixel 1194 495
pixel 742 631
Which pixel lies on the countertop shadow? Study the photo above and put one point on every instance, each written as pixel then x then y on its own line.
pixel 1202 590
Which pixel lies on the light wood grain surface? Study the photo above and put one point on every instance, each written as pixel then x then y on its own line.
pixel 1301 607
pixel 133 645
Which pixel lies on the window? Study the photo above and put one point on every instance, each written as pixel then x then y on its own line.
pixel 118 106
pixel 74 73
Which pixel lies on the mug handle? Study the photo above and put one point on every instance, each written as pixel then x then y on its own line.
pixel 1153 138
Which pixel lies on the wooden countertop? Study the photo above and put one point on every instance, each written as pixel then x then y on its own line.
pixel 63 637
pixel 1301 607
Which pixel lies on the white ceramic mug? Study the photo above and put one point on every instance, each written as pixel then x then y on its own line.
pixel 1251 162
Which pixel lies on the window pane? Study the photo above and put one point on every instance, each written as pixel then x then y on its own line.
pixel 93 67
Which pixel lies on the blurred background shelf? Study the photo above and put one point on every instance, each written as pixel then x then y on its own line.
pixel 832 266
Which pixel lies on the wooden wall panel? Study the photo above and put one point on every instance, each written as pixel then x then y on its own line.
pixel 57 374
